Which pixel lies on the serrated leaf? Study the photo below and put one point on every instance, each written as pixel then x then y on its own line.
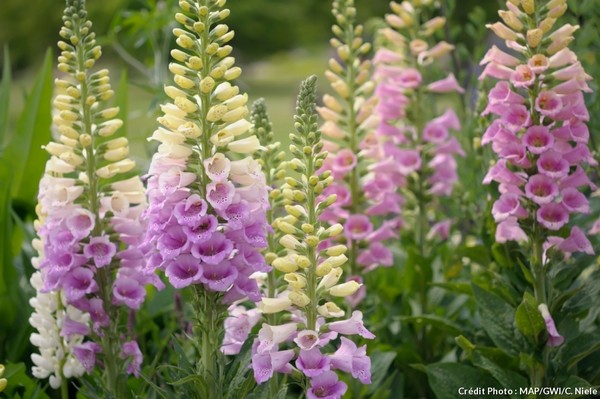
pixel 447 378
pixel 497 318
pixel 528 319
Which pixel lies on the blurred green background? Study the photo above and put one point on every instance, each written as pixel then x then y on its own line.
pixel 278 43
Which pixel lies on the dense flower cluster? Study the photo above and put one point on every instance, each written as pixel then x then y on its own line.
pixel 206 215
pixel 417 154
pixel 363 192
pixel 539 132
pixel 312 270
pixel 88 223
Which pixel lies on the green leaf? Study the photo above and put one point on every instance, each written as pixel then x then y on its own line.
pixel 497 318
pixel 448 379
pixel 528 319
pixel 19 381
pixel 380 363
pixel 437 322
pixel 507 378
pixel 574 350
pixel 4 99
pixel 24 152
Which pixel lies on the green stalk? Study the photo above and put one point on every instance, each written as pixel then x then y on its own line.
pixel 110 340
pixel 311 309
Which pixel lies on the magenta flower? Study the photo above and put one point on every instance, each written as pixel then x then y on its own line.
pixel 312 362
pixel 183 271
pixel 265 364
pixel 101 250
pixel 326 386
pixel 554 338
pixel 353 360
pixel 86 354
pixel 133 355
pixel 352 326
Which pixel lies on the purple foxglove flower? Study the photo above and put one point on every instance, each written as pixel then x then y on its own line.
pixel 352 326
pixel 353 360
pixel 576 242
pixel 183 271
pixel 101 250
pixel 307 339
pixel 131 352
pixel 173 242
pixel 548 103
pixel 86 354
pixel 509 204
pixel 541 189
pixel 129 292
pixel 203 230
pixel 376 254
pixel 219 277
pixel 552 216
pixel 80 223
pixel 220 194
pixel 312 362
pixel 510 230
pixel 358 227
pixel 271 336
pixel 538 139
pixel 265 364
pixel 79 282
pixel 344 161
pixel 575 201
pixel 446 85
pixel 326 386
pixel 237 328
pixel 190 212
pixel 237 215
pixel 214 250
pixel 72 327
pixel 554 338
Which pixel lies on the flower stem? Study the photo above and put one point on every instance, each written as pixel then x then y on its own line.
pixel 311 308
pixel 64 389
pixel 208 311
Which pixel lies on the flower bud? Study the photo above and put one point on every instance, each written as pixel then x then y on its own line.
pixel 299 298
pixel 534 37
pixel 330 279
pixel 330 309
pixel 346 289
pixel 295 281
pixel 285 264
pixel 333 231
pixel 274 305
pixel 290 242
